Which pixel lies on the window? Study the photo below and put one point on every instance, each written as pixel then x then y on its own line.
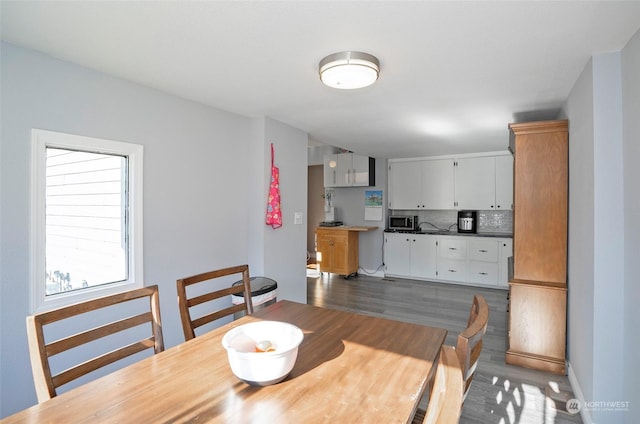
pixel 87 218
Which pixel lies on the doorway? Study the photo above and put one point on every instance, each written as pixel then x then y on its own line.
pixel 315 208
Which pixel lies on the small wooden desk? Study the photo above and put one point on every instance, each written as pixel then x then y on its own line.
pixel 351 368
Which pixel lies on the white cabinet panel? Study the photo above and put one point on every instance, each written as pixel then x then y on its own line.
pixel 483 273
pixel 360 170
pixel 410 255
pixel 475 183
pixel 438 191
pixel 331 170
pixel 483 250
pixel 397 254
pixel 405 189
pixel 452 270
pixel 452 248
pixel 343 172
pixel 504 182
pixel 423 256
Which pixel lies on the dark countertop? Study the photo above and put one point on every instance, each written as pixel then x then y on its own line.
pixel 453 233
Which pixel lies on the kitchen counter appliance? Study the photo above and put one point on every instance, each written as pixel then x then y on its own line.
pixel 467 221
pixel 403 223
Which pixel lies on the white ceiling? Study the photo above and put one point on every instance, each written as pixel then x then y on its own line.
pixel 453 73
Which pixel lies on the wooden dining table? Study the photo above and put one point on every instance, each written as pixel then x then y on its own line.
pixel 351 368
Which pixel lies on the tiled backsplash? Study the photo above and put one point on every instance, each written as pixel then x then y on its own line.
pixel 489 221
pixel 495 221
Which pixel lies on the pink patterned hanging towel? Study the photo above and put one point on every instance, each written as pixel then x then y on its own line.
pixel 274 216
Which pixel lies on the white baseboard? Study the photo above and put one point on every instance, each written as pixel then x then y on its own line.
pixel 377 273
pixel 577 392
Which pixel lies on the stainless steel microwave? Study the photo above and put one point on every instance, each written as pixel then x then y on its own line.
pixel 403 223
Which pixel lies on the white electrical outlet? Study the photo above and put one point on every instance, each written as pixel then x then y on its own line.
pixel 298 218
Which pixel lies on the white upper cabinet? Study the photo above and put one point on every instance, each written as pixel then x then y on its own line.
pixel 348 170
pixel 475 183
pixel 482 182
pixel 360 170
pixel 504 182
pixel 424 184
pixel 438 184
pixel 405 185
pixel 331 170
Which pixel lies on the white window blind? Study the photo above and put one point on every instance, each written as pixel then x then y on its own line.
pixel 87 218
pixel 86 215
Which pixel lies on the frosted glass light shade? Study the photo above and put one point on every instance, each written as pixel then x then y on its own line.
pixel 349 70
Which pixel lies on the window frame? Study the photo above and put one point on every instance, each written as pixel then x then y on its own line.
pixel 40 141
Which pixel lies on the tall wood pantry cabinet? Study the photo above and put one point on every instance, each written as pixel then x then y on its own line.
pixel 538 290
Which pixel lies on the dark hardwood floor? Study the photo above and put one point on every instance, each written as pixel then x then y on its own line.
pixel 500 393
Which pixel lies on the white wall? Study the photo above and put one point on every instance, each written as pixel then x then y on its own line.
pixel 609 245
pixel 603 115
pixel 579 111
pixel 282 251
pixel 631 146
pixel 201 192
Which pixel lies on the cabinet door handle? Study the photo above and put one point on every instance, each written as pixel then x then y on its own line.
pixel 483 273
pixel 482 251
pixel 452 270
pixel 453 248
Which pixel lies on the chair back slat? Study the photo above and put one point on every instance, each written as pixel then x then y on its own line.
pixel 101 361
pixel 40 351
pixel 469 344
pixel 208 297
pixel 79 339
pixel 185 303
pixel 445 401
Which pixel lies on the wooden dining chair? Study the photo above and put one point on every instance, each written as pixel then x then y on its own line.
pixel 469 344
pixel 136 313
pixel 445 401
pixel 186 303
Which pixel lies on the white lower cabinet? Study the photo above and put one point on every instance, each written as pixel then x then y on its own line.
pixel 471 260
pixel 483 261
pixel 485 273
pixel 452 270
pixel 410 255
pixel 452 256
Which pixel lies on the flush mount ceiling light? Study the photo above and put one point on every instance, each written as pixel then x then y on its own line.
pixel 349 70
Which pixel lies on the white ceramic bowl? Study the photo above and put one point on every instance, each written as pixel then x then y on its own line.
pixel 262 368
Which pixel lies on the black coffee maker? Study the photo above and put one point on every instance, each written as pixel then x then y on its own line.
pixel 467 221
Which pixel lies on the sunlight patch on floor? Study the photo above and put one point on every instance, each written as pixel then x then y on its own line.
pixel 515 401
